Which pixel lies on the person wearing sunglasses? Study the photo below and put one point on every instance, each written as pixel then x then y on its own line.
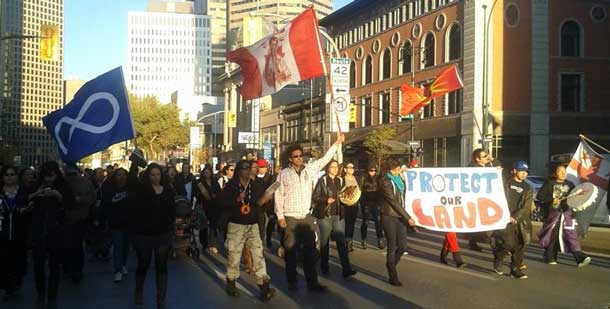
pixel 480 158
pixel 292 207
pixel 239 199
pixel 351 210
pixel 14 214
pixel 370 207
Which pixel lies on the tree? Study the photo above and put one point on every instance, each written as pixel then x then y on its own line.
pixel 374 143
pixel 158 127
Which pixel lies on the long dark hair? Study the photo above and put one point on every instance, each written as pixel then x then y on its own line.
pixel 327 167
pixel 146 176
pixel 239 169
pixel 206 167
pixel 3 171
pixel 114 176
pixel 48 168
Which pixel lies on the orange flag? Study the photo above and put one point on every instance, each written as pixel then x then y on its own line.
pixel 415 98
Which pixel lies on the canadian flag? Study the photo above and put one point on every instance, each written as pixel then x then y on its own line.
pixel 292 54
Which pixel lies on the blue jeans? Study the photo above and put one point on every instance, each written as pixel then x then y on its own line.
pixel 336 225
pixel 120 251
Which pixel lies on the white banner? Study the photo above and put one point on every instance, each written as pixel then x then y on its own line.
pixel 459 200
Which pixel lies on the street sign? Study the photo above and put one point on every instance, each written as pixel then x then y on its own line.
pixel 413 144
pixel 340 79
pixel 195 140
pixel 247 138
pixel 339 75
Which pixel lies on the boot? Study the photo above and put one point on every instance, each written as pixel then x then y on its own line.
pixel 350 246
pixel 267 292
pixel 393 280
pixel 364 244
pixel 444 253
pixel 139 295
pixel 231 288
pixel 381 243
pixel 457 258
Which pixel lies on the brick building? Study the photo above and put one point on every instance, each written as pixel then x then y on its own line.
pixel 541 82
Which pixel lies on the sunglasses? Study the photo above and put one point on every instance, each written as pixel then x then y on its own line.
pixel 350 167
pixel 297 156
pixel 10 174
pixel 231 169
pixel 374 171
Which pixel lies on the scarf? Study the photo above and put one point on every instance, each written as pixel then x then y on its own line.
pixel 397 182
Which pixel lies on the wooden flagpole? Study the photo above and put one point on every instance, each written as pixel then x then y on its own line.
pixel 594 143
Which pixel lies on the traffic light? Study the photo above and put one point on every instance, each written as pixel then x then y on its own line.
pixel 49 42
pixel 352 112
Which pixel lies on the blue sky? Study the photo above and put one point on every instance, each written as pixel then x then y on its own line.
pixel 95 35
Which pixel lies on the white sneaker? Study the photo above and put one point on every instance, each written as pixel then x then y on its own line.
pixel 118 276
pixel 124 271
pixel 585 262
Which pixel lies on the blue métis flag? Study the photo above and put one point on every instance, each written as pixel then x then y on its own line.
pixel 95 119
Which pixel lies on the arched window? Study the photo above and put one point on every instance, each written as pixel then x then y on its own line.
pixel 428 51
pixel 570 39
pixel 406 58
pixel 352 74
pixel 367 70
pixel 454 43
pixel 385 63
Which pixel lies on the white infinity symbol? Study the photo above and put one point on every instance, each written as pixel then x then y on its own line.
pixel 75 123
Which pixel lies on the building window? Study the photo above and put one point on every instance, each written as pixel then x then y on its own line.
pixel 406 58
pixel 367 70
pixel 454 103
pixel 570 39
pixel 385 110
pixel 367 114
pixel 386 65
pixel 454 43
pixel 428 110
pixel 428 51
pixel 352 74
pixel 598 13
pixel 571 93
pixel 512 15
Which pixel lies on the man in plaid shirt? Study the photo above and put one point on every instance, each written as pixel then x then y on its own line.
pixel 293 207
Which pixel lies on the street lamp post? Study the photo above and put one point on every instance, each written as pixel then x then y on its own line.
pixel 214 126
pixel 485 100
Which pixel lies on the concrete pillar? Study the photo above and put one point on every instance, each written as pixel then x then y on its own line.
pixel 539 116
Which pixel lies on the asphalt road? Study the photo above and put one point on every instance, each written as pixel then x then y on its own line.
pixel 426 283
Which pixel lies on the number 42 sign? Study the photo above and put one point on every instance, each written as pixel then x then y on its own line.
pixel 340 78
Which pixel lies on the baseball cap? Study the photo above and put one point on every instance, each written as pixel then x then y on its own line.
pixel 521 166
pixel 262 163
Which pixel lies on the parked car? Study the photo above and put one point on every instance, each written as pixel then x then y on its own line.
pixel 536 183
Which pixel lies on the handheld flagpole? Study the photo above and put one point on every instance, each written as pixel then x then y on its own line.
pixel 594 143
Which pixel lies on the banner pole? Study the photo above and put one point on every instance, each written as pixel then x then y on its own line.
pixel 594 143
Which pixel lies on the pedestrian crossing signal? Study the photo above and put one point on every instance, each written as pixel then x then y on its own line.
pixel 352 112
pixel 49 42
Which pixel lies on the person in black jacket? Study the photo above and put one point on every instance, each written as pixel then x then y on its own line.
pixel 239 199
pixel 267 219
pixel 115 204
pixel 49 204
pixel 558 231
pixel 151 221
pixel 370 207
pixel 331 217
pixel 395 218
pixel 512 240
pixel 14 217
pixel 206 192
